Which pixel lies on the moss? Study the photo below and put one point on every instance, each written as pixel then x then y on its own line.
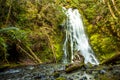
pixel 61 78
pixel 73 67
pixel 8 66
pixel 106 77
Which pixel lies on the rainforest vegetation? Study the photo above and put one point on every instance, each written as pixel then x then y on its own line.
pixel 32 31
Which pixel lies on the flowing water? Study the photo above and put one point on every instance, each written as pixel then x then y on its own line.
pixel 76 43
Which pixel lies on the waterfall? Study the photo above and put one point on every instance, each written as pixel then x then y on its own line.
pixel 76 43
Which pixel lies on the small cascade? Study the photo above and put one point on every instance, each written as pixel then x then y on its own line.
pixel 76 45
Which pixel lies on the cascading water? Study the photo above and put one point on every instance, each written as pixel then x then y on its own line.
pixel 76 42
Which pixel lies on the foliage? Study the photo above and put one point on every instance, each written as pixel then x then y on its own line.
pixel 3 52
pixel 102 27
pixel 10 37
pixel 37 28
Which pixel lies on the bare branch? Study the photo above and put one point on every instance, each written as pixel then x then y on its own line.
pixel 113 2
pixel 111 11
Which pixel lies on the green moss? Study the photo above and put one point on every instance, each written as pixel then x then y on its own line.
pixel 74 66
pixel 8 66
pixel 61 78
pixel 106 77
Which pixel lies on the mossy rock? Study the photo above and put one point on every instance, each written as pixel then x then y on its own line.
pixel 110 77
pixel 56 74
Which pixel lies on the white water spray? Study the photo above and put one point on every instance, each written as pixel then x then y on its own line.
pixel 76 42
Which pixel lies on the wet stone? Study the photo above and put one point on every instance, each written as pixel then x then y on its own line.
pixel 79 74
pixel 70 78
pixel 37 77
pixel 96 76
pixel 89 71
pixel 102 72
pixel 84 78
pixel 77 77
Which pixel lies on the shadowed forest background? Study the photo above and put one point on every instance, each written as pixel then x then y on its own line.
pixel 32 31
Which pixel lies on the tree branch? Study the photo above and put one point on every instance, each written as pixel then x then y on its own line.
pixel 115 7
pixel 8 13
pixel 21 49
pixel 111 11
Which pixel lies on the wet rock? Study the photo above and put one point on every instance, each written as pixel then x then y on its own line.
pixel 84 78
pixel 89 71
pixel 56 74
pixel 30 67
pixel 96 76
pixel 102 72
pixel 70 78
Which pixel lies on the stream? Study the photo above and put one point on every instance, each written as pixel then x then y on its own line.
pixel 57 72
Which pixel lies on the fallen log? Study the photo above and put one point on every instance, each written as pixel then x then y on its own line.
pixel 74 66
pixel 112 59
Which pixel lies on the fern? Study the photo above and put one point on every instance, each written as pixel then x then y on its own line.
pixel 3 50
pixel 10 37
pixel 14 34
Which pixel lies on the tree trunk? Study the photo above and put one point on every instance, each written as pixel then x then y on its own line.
pixel 111 11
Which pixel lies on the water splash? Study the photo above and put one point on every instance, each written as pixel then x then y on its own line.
pixel 76 42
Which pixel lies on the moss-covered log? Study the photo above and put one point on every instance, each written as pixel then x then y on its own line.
pixel 73 67
pixel 112 59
